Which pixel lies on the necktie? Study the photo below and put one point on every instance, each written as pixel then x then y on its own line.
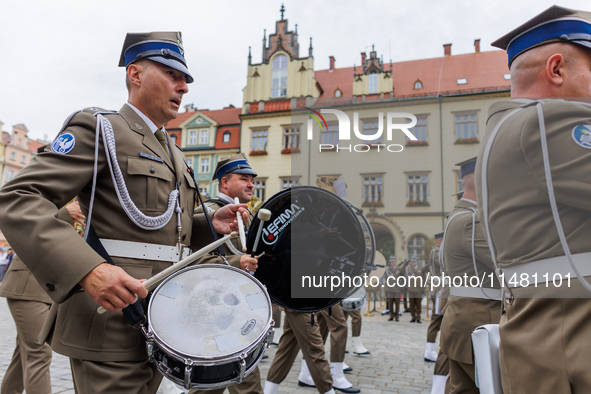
pixel 160 136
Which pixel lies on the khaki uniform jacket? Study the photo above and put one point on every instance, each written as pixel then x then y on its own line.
pixel 20 284
pixel 391 285
pixel 516 170
pixel 415 282
pixel 463 315
pixel 57 255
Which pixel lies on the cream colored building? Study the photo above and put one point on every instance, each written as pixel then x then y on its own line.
pixel 406 186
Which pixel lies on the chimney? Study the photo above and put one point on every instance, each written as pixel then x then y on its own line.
pixel 363 56
pixel 446 49
pixel 477 45
pixel 190 108
pixel 331 58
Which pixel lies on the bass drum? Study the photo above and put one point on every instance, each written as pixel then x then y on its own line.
pixel 316 248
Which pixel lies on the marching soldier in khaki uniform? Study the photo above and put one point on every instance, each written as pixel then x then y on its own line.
pixel 133 184
pixel 472 304
pixel 415 286
pixel 434 270
pixel 393 291
pixel 29 305
pixel 533 180
pixel 235 180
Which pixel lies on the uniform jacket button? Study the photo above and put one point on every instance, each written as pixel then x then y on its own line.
pixel 152 170
pixel 50 286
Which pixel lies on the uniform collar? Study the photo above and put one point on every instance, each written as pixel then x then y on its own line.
pixel 146 120
pixel 226 198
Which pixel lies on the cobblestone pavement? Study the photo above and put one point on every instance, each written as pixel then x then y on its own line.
pixel 395 365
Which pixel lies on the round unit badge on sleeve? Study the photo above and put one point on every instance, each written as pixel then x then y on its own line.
pixel 63 144
pixel 582 135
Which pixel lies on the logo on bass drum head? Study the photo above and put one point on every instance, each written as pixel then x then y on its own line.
pixel 273 229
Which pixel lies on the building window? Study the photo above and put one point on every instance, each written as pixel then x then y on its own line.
pixel 466 128
pixel 279 75
pixel 338 93
pixel 287 182
pixel 259 142
pixel 204 165
pixel 462 81
pixel 192 137
pixel 12 156
pixel 418 85
pixel 23 158
pixel 415 245
pixel 203 137
pixel 370 127
pixel 418 190
pixel 259 188
pixel 420 130
pixel 373 83
pixel 330 136
pixel 226 137
pixel 373 190
pixel 291 139
pixel 9 175
pixel 173 137
pixel 190 162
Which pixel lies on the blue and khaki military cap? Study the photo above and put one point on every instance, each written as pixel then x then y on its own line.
pixel 467 166
pixel 556 24
pixel 162 47
pixel 438 235
pixel 236 164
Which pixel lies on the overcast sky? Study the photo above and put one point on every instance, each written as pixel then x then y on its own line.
pixel 61 55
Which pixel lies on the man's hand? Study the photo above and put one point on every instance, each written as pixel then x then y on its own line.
pixel 75 212
pixel 248 263
pixel 112 288
pixel 224 220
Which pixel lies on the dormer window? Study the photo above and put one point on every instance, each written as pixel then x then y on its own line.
pixel 338 93
pixel 279 82
pixel 226 137
pixel 462 81
pixel 418 85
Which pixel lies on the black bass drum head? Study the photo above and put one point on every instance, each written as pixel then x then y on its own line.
pixel 314 249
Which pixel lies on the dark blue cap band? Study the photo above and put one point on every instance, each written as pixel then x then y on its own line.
pixel 467 168
pixel 230 167
pixel 153 48
pixel 559 29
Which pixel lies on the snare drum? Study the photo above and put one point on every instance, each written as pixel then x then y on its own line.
pixel 355 301
pixel 208 326
pixel 312 234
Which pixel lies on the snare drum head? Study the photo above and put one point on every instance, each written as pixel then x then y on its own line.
pixel 312 237
pixel 209 311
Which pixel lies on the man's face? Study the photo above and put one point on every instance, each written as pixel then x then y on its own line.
pixel 161 91
pixel 238 185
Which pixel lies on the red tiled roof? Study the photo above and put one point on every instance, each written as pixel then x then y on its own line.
pixel 226 116
pixel 234 142
pixel 483 72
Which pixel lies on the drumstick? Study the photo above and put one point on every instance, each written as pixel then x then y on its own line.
pixel 263 215
pixel 181 264
pixel 240 226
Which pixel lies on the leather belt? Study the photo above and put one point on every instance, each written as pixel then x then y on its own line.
pixel 541 271
pixel 143 251
pixel 483 293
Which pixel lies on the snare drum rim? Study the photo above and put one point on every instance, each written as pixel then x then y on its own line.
pixel 207 360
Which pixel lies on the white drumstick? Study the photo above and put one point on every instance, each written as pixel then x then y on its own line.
pixel 181 264
pixel 240 226
pixel 263 215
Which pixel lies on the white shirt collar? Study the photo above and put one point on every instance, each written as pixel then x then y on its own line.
pixel 149 123
pixel 226 198
pixel 467 199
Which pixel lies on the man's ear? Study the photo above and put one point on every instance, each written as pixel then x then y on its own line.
pixel 134 72
pixel 555 66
